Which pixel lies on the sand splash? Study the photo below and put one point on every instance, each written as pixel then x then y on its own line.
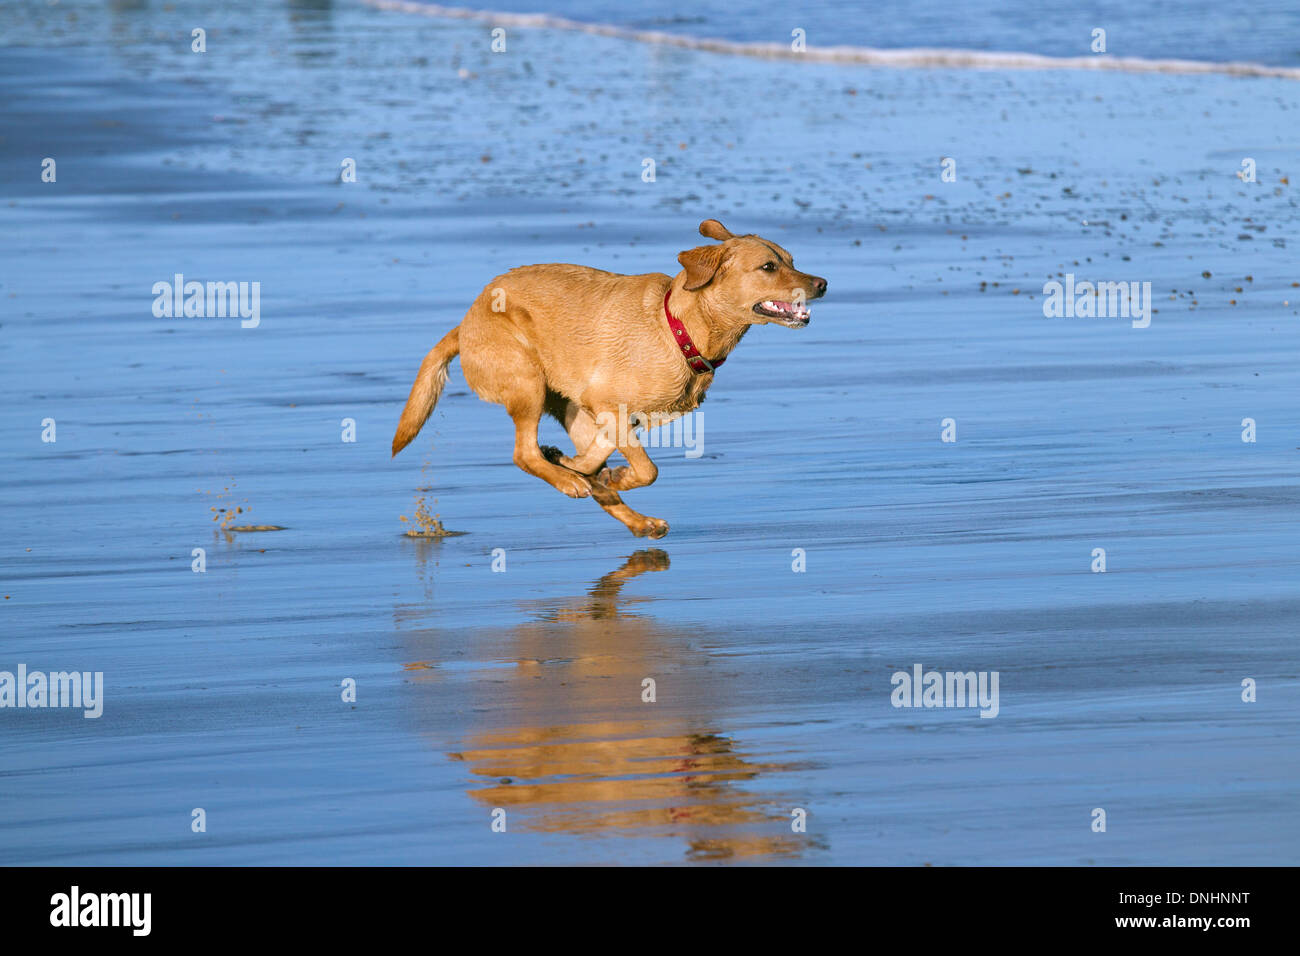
pixel 427 523
pixel 227 516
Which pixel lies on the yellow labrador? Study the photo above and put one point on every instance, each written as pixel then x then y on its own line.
pixel 593 348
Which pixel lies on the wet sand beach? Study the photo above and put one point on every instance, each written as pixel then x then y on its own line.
pixel 522 689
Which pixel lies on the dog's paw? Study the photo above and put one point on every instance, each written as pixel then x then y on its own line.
pixel 621 478
pixel 573 485
pixel 650 528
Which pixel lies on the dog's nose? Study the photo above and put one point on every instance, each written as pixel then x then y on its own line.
pixel 819 285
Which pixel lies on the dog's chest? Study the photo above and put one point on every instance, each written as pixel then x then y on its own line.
pixel 685 396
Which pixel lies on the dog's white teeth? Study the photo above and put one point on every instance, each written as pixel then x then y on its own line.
pixel 787 310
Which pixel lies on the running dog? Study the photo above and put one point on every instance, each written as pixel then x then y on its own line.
pixel 603 352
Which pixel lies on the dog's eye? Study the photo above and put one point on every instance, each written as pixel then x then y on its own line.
pixel 768 267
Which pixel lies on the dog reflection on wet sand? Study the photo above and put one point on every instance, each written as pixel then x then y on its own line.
pixel 605 600
pixel 585 755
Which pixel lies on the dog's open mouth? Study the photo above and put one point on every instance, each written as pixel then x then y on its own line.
pixel 787 313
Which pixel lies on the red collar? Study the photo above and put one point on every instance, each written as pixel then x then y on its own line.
pixel 698 363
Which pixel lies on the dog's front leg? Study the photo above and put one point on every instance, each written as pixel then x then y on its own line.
pixel 643 526
pixel 637 473
pixel 593 442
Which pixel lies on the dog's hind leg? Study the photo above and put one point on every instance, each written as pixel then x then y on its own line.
pixel 528 455
pixel 524 401
pixel 502 369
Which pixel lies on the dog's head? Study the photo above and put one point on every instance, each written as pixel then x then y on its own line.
pixel 748 279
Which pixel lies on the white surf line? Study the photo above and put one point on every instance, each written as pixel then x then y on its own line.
pixel 859 55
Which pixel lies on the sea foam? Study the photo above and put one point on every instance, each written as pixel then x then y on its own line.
pixel 908 58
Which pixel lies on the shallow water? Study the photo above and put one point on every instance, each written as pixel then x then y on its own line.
pixel 522 690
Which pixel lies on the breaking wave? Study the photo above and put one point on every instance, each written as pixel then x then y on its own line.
pixel 858 55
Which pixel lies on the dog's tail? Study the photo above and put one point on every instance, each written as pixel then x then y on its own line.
pixel 428 386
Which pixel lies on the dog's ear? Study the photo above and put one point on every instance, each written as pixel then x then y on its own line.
pixel 701 264
pixel 712 229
